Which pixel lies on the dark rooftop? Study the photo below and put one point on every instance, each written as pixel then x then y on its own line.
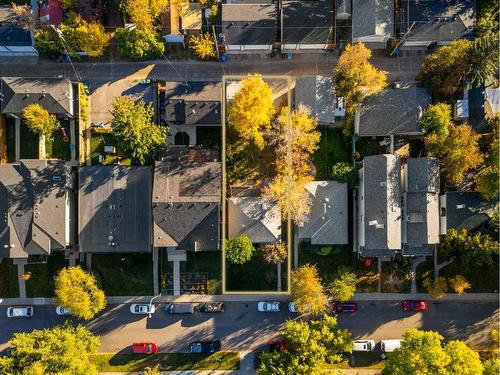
pixel 307 21
pixel 467 210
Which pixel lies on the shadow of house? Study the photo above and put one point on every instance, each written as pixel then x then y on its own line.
pixel 114 209
pixel 372 22
pixel 307 26
pixel 478 105
pixel 35 207
pixel 15 38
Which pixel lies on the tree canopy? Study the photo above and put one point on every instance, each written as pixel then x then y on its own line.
pixel 203 46
pixel 275 252
pixel 487 176
pixel 311 346
pixel 437 119
pixel 77 290
pixel 134 128
pixel 138 43
pixel 251 110
pixel 306 290
pixel 239 250
pixel 422 352
pixel 345 172
pixel 59 350
pixel 458 152
pixel 144 13
pixel 39 120
pixel 343 287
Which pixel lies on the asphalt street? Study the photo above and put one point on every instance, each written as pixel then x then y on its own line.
pixel 241 327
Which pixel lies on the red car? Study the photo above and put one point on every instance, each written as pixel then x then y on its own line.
pixel 144 348
pixel 415 305
pixel 340 307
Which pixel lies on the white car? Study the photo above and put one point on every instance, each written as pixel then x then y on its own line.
pixel 20 312
pixel 363 345
pixel 268 306
pixel 292 308
pixel 139 308
pixel 62 310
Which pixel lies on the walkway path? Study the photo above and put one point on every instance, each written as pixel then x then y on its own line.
pixel 20 272
pixel 414 264
pixel 177 256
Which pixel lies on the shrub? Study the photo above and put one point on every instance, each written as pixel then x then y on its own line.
pixel 345 172
pixel 203 46
pixel 239 250
pixel 138 43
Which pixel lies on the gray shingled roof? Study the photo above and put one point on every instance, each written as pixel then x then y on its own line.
pixel 249 23
pixel 186 198
pixel 317 93
pixel 327 220
pixel 467 210
pixel 405 106
pixel 54 94
pixel 307 21
pixel 115 209
pixel 33 197
pixel 372 18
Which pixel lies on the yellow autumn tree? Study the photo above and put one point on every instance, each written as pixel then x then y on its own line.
pixel 251 110
pixel 458 152
pixel 203 46
pixel 355 77
pixel 307 291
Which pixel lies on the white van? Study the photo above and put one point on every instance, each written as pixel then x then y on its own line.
pixel 363 345
pixel 388 346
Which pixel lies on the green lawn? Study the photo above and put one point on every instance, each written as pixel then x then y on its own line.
pixel 9 286
pixel 334 147
pixel 366 146
pixel 56 148
pixel 167 361
pixel 29 143
pixel 124 274
pixel 97 142
pixel 209 262
pixel 339 256
pixel 41 282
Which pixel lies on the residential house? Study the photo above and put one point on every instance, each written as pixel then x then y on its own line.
pixel 192 110
pixel 16 39
pixel 257 217
pixel 395 111
pixel 114 209
pixel 465 210
pixel 424 23
pixel 248 26
pixel 398 207
pixel 35 200
pixel 327 220
pixel 306 26
pixel 186 201
pixel 478 105
pixel 372 22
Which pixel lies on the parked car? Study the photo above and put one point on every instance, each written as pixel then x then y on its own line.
pixel 60 310
pixel 142 308
pixel 268 306
pixel 212 307
pixel 390 345
pixel 363 345
pixel 341 307
pixel 415 305
pixel 179 308
pixel 205 346
pixel 144 348
pixel 277 346
pixel 20 312
pixel 292 308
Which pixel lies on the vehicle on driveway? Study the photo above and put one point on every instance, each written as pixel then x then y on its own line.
pixel 390 345
pixel 62 310
pixel 212 307
pixel 205 346
pixel 268 306
pixel 277 346
pixel 415 305
pixel 363 345
pixel 292 308
pixel 144 348
pixel 344 307
pixel 140 308
pixel 179 308
pixel 20 312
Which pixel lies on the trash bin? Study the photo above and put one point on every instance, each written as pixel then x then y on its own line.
pixel 223 57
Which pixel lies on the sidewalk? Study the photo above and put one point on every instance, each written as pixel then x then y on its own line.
pixel 359 297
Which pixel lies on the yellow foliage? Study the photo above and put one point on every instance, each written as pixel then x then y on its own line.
pixel 459 284
pixel 203 45
pixel 436 288
pixel 307 290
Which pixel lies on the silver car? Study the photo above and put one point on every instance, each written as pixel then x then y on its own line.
pixel 142 308
pixel 20 312
pixel 62 310
pixel 268 306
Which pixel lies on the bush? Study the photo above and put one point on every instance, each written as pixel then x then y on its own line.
pixel 239 250
pixel 345 172
pixel 203 46
pixel 459 284
pixel 436 288
pixel 39 120
pixel 138 43
pixel 275 253
pixel 344 285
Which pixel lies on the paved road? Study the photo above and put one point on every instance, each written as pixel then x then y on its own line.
pixel 242 328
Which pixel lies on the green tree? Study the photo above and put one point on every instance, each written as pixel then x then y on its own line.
pixel 458 152
pixel 251 110
pixel 491 366
pixel 239 250
pixel 135 130
pixel 138 43
pixel 78 291
pixel 275 252
pixel 343 286
pixel 422 353
pixel 311 347
pixel 356 78
pixel 446 70
pixel 487 176
pixel 39 120
pixel 485 58
pixel 59 350
pixel 203 46
pixel 487 17
pixel 437 119
pixel 47 42
pixel 145 13
pixel 83 36
pixel 306 290
pixel 345 172
pixel 436 288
